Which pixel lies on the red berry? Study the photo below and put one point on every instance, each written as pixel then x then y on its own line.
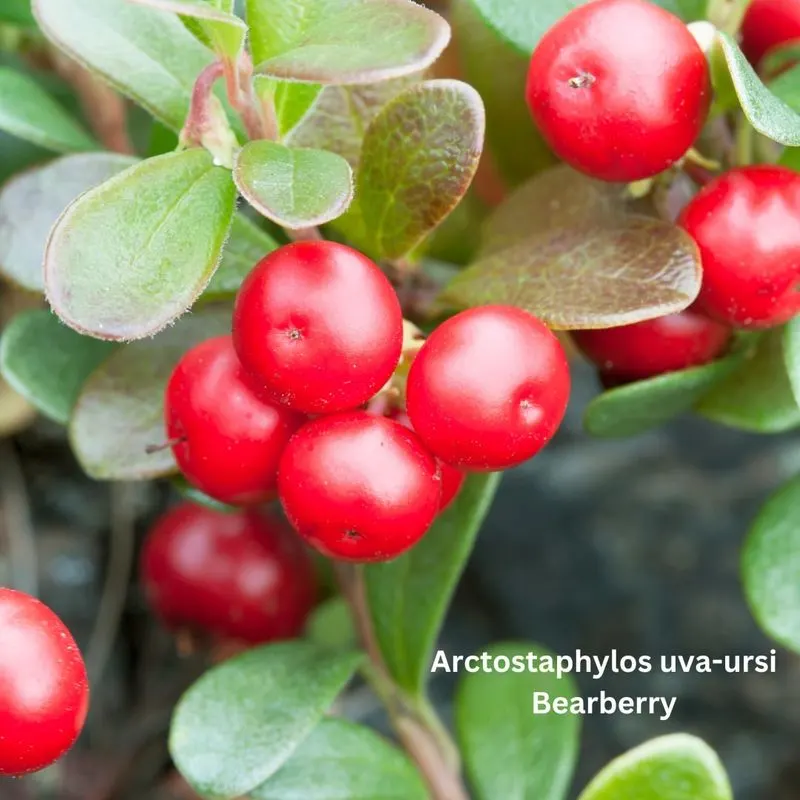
pixel 359 487
pixel 769 24
pixel 452 477
pixel 619 89
pixel 242 576
pixel 226 440
pixel 489 388
pixel 44 691
pixel 319 325
pixel 747 225
pixel 646 349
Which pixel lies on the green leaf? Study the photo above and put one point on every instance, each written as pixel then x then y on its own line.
pixel 129 257
pixel 508 751
pixel 243 719
pixel 120 410
pixel 768 114
pixel 786 87
pixel 638 407
pixel 294 188
pixel 343 761
pixel 419 157
pixel 147 55
pixel 771 566
pixel 593 276
pixel 293 101
pixel 48 363
pixel 341 115
pixel 791 158
pixel 247 245
pixel 32 201
pixel 408 597
pixel 791 355
pixel 224 32
pixel 17 12
pixel 676 767
pixel 343 41
pixel 331 625
pixel 758 395
pixel 517 147
pixel 27 111
pixel 563 198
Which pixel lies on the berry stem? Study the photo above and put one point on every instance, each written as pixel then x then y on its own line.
pixel 421 732
pixel 305 234
pixel 745 141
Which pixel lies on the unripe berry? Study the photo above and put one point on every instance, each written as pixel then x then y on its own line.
pixel 489 388
pixel 241 576
pixel 319 327
pixel 44 691
pixel 359 487
pixel 227 441
pixel 619 89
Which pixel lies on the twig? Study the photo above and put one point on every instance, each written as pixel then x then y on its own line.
pixel 16 522
pixel 304 234
pixel 425 740
pixel 115 589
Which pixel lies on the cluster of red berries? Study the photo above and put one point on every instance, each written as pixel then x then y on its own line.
pixel 620 90
pixel 282 406
pixel 44 691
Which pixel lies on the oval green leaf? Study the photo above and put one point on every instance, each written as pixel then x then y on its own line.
pixel 17 12
pixel 588 277
pixel 771 566
pixel 758 395
pixel 296 188
pixel 638 407
pixel 247 245
pixel 342 114
pixel 509 751
pixel 408 597
pixel 27 111
pixel 120 410
pixel 768 114
pixel 419 156
pixel 344 41
pixel 673 767
pixel 48 363
pixel 342 760
pixel 243 719
pixel 331 625
pixel 147 55
pixel 32 201
pixel 194 495
pixel 130 256
pixel 224 32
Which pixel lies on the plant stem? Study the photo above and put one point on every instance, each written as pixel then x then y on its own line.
pixel 745 140
pixel 727 15
pixel 420 731
pixel 200 108
pixel 304 234
pixel 16 523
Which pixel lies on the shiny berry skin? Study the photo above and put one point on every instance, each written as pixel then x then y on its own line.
pixel 243 576
pixel 646 349
pixel 452 477
pixel 769 24
pixel 359 487
pixel 44 691
pixel 488 389
pixel 747 225
pixel 227 440
pixel 319 326
pixel 619 89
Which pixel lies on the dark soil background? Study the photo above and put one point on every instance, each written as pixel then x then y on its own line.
pixel 596 545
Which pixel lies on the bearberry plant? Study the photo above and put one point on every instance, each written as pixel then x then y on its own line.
pixel 273 279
